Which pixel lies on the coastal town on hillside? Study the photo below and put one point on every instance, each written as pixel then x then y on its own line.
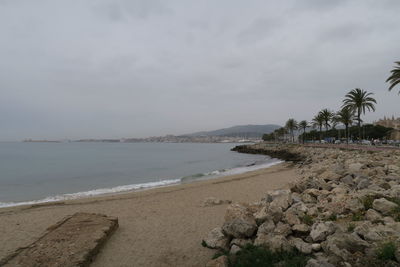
pixel 391 123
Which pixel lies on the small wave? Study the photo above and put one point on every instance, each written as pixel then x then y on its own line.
pixel 132 187
pixel 91 193
pixel 224 172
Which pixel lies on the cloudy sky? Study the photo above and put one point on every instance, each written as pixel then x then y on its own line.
pixel 134 68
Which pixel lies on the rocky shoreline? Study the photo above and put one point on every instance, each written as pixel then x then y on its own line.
pixel 344 210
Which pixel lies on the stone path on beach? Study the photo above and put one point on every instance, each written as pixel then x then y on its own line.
pixel 74 241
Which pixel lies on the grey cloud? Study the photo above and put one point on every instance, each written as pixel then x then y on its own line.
pixel 81 69
pixel 319 5
pixel 258 30
pixel 344 32
pixel 124 9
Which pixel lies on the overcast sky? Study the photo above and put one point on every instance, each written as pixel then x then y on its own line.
pixel 134 68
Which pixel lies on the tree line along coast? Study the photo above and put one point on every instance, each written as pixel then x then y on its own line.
pixel 355 104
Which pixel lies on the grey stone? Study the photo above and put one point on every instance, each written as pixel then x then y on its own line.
pixel 273 242
pixel 372 215
pixel 364 183
pixel 355 167
pixel 348 179
pixel 216 239
pixel 318 263
pixel 384 206
pixel 342 245
pixel 239 227
pixel 282 229
pixel 316 246
pixel 267 227
pixel 320 230
pixel 234 249
pixel 302 246
pixel 241 242
pixel 280 199
pixel 301 228
pixel 261 216
pixel 307 198
pixel 212 201
pixel 275 213
pixel 291 218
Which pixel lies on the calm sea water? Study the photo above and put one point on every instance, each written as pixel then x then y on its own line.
pixel 41 172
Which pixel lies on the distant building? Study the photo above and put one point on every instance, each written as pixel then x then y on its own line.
pixel 391 123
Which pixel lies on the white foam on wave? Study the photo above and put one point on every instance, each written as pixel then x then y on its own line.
pixel 91 193
pixel 240 170
pixel 132 187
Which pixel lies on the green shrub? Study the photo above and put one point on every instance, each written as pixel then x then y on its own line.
pixel 332 217
pixel 255 256
pixel 220 253
pixel 307 219
pixel 386 251
pixel 358 216
pixel 367 202
pixel 394 200
pixel 351 227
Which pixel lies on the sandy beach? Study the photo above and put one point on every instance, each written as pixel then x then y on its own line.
pixel 158 227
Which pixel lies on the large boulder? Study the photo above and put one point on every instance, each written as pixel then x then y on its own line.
pixel 262 215
pixel 239 227
pixel 282 229
pixel 343 245
pixel 267 227
pixel 272 241
pixel 320 230
pixel 372 215
pixel 239 222
pixel 302 246
pixel 355 167
pixel 279 198
pixel 275 213
pixel 373 233
pixel 216 239
pixel 384 206
pixel 291 218
pixel 241 242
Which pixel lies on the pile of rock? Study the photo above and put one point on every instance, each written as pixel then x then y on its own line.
pixel 342 209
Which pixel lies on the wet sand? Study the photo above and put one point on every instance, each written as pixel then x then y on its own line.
pixel 158 227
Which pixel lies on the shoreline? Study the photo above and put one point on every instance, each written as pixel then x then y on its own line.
pixel 158 227
pixel 126 189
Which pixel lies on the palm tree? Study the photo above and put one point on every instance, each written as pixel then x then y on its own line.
pixel 280 132
pixel 318 121
pixel 394 79
pixel 303 125
pixel 346 116
pixel 291 125
pixel 358 100
pixel 327 116
pixel 335 121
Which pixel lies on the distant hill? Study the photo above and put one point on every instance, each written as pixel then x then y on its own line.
pixel 245 131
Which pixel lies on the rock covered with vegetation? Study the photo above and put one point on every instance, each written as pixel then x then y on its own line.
pixel 344 210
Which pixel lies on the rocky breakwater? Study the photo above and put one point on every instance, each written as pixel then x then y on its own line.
pixel 344 210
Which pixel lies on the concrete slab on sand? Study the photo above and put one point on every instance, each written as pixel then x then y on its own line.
pixel 74 241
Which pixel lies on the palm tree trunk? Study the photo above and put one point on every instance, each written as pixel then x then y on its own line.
pixel 359 124
pixel 320 133
pixel 347 133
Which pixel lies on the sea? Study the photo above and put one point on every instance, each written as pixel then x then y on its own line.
pixel 39 172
